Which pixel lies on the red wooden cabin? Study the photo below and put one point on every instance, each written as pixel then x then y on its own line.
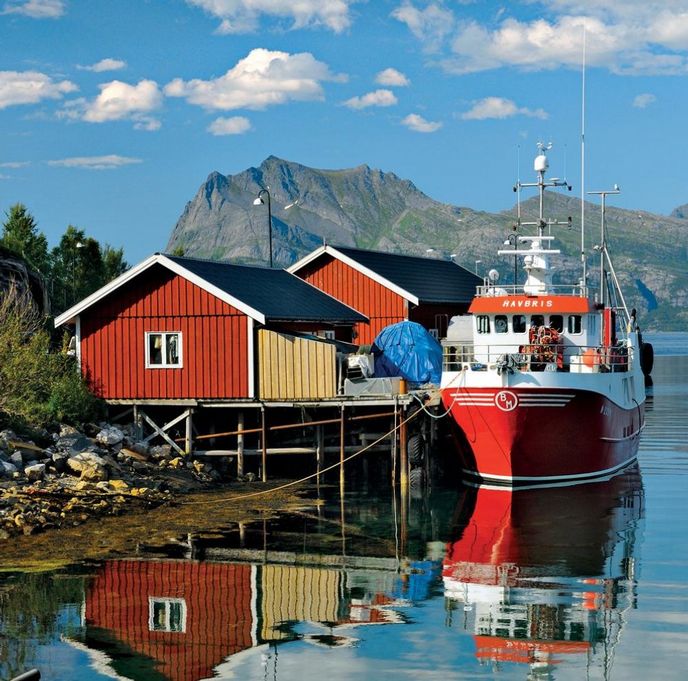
pixel 390 288
pixel 175 328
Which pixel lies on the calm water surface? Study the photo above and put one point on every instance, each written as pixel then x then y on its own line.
pixel 583 582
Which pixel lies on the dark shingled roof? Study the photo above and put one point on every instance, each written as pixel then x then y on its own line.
pixel 275 293
pixel 429 279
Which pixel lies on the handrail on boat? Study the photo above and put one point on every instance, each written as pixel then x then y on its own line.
pixel 458 356
pixel 493 289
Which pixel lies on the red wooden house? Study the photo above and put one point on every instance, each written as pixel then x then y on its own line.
pixel 389 288
pixel 175 329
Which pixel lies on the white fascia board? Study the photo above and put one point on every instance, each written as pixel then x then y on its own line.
pixel 324 293
pixel 157 258
pixel 292 269
pixel 70 314
pixel 213 290
pixel 330 250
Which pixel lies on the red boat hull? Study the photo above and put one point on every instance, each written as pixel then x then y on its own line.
pixel 521 436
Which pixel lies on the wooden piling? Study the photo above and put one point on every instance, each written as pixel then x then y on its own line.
pixel 240 443
pixel 264 443
pixel 319 450
pixel 188 439
pixel 403 452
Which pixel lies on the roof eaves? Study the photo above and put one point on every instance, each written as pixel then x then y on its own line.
pixel 213 290
pixel 332 250
pixel 74 311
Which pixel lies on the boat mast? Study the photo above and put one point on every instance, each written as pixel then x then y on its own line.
pixel 584 280
pixel 603 243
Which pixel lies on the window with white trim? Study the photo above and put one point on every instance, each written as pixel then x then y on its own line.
pixel 163 349
pixel 167 614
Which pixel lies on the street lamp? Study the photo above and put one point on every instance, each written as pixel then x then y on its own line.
pixel 477 262
pixel 258 201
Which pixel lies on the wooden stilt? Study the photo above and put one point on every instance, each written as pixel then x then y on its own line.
pixel 264 444
pixel 188 440
pixel 319 450
pixel 240 443
pixel 403 452
pixel 341 451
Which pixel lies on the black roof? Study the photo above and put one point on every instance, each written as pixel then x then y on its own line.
pixel 277 294
pixel 429 279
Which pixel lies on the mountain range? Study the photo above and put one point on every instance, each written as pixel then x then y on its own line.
pixel 369 208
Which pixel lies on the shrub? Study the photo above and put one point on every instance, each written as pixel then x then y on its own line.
pixel 37 386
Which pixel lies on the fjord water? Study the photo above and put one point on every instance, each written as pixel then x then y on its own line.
pixel 580 582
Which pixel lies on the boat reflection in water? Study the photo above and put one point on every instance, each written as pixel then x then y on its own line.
pixel 540 575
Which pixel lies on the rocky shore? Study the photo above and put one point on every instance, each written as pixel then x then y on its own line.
pixel 70 477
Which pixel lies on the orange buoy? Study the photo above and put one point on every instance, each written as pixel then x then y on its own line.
pixel 590 358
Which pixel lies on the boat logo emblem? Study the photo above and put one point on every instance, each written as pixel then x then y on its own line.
pixel 506 400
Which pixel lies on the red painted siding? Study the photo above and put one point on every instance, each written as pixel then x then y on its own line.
pixel 378 303
pixel 214 341
pixel 218 612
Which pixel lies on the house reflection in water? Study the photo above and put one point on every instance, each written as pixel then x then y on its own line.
pixel 180 620
pixel 536 575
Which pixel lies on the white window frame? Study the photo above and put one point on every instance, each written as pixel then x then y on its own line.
pixel 164 364
pixel 167 602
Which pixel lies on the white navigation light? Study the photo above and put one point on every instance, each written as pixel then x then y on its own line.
pixel 493 275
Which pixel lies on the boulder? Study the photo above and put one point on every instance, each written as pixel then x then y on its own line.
pixel 17 459
pixel 88 466
pixel 110 436
pixel 35 472
pixel 7 468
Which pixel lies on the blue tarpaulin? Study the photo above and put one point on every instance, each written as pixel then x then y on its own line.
pixel 406 349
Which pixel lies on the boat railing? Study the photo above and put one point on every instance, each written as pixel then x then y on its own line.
pixel 459 356
pixel 490 290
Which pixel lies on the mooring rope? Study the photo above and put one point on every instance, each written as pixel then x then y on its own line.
pixel 293 483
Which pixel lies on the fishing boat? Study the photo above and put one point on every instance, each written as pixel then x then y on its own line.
pixel 546 381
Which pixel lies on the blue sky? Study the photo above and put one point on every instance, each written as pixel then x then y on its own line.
pixel 113 112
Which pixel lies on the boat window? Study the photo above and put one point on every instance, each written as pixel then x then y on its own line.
pixel 538 320
pixel 483 322
pixel 519 323
pixel 574 323
pixel 501 325
pixel 556 321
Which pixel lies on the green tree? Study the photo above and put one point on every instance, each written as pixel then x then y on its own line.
pixel 81 266
pixel 21 236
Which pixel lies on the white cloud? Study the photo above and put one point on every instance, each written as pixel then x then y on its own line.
pixel 30 87
pixel 630 37
pixel 36 9
pixel 95 162
pixel 392 78
pixel 242 16
pixel 105 65
pixel 430 25
pixel 644 100
pixel 14 164
pixel 419 124
pixel 263 78
pixel 498 107
pixel 119 101
pixel 235 125
pixel 376 98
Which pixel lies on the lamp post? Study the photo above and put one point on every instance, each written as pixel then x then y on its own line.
pixel 477 262
pixel 258 201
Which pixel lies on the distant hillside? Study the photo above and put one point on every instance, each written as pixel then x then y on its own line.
pixel 378 210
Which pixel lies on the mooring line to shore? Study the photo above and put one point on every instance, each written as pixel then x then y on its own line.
pixel 293 483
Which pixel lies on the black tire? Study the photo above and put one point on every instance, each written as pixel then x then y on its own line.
pixel 416 450
pixel 416 478
pixel 647 358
